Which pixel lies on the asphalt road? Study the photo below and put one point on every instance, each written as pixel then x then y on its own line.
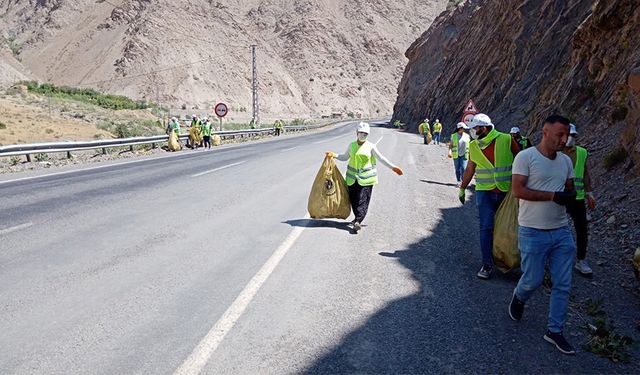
pixel 206 261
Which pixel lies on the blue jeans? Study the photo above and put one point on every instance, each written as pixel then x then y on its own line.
pixel 460 164
pixel 488 203
pixel 538 246
pixel 436 137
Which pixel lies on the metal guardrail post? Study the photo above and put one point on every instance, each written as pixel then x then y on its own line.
pixel 28 158
pixel 69 155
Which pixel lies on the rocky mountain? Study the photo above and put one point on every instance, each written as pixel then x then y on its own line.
pixel 521 60
pixel 314 56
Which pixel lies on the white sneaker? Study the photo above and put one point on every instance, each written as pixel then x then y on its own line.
pixel 583 267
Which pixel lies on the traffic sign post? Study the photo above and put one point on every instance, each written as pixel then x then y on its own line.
pixel 468 112
pixel 221 110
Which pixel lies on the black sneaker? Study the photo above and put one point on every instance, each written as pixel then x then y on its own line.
pixel 559 341
pixel 485 272
pixel 516 308
pixel 356 226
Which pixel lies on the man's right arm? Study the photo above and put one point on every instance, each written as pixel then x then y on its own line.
pixel 468 174
pixel 521 191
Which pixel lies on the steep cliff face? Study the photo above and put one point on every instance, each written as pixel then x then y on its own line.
pixel 314 56
pixel 521 60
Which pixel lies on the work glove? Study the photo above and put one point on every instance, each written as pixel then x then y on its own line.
pixel 564 198
pixel 330 154
pixel 462 194
pixel 398 171
pixel 591 202
pixel 449 155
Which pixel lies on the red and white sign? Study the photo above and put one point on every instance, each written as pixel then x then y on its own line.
pixel 468 112
pixel 221 110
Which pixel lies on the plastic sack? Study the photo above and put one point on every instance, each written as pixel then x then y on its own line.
pixel 174 145
pixel 216 140
pixel 428 137
pixel 506 254
pixel 329 197
pixel 195 136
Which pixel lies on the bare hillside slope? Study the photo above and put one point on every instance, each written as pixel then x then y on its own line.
pixel 314 57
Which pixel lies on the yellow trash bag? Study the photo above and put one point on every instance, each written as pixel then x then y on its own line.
pixel 329 197
pixel 195 137
pixel 428 137
pixel 216 140
pixel 174 145
pixel 506 254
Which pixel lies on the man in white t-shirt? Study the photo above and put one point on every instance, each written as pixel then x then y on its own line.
pixel 542 179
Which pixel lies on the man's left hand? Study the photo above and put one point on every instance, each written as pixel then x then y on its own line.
pixel 591 202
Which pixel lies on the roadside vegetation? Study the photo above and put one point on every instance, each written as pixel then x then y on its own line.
pixel 90 96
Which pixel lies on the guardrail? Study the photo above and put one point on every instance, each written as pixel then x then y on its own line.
pixel 52 147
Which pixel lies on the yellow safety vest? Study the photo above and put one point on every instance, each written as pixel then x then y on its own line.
pixel 437 127
pixel 362 165
pixel 489 176
pixel 454 147
pixel 578 170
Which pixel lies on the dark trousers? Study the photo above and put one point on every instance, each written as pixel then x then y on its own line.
pixel 207 141
pixel 578 213
pixel 360 196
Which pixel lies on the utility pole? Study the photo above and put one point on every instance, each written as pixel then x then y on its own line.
pixel 256 106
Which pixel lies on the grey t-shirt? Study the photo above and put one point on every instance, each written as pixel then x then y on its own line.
pixel 544 175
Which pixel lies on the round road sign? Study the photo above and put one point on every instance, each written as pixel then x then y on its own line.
pixel 221 109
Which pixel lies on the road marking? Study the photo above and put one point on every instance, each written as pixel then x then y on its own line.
pixel 328 139
pixel 289 149
pixel 219 168
pixel 208 345
pixel 412 160
pixel 379 140
pixel 13 229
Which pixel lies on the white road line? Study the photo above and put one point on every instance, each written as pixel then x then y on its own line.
pixel 412 160
pixel 208 345
pixel 219 168
pixel 13 229
pixel 379 140
pixel 289 149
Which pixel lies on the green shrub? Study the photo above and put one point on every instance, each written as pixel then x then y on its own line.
pixel 3 125
pixel 297 121
pixel 615 157
pixel 42 157
pixel 90 96
pixel 15 160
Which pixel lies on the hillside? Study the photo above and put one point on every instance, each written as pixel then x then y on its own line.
pixel 521 60
pixel 314 57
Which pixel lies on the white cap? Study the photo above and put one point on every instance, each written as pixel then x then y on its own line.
pixel 480 120
pixel 193 115
pixel 572 129
pixel 462 125
pixel 515 130
pixel 437 120
pixel 363 127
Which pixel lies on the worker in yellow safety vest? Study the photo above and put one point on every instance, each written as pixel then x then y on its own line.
pixel 362 173
pixel 425 131
pixel 491 156
pixel 578 211
pixel 437 129
pixel 523 142
pixel 459 150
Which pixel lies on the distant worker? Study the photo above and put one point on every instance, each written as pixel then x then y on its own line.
pixel 206 133
pixel 362 173
pixel 173 126
pixel 459 150
pixel 491 156
pixel 437 129
pixel 577 211
pixel 523 142
pixel 195 132
pixel 252 123
pixel 278 126
pixel 424 130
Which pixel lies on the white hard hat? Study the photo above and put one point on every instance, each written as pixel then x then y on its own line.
pixel 193 115
pixel 515 130
pixel 462 125
pixel 363 127
pixel 437 120
pixel 572 129
pixel 480 120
